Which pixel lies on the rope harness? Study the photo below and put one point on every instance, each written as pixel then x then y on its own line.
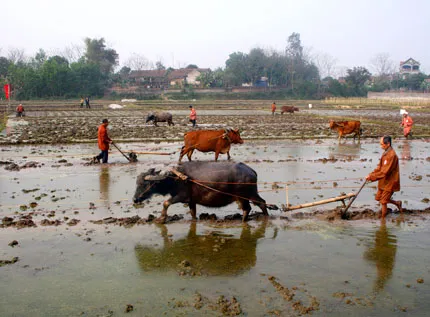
pixel 185 177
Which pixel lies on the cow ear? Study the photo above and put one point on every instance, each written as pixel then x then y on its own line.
pixel 237 130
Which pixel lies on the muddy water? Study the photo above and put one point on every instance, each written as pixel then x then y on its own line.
pixel 359 268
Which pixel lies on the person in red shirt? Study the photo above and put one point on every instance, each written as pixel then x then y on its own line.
pixel 388 176
pixel 407 123
pixel 103 142
pixel 20 110
pixel 193 116
pixel 273 108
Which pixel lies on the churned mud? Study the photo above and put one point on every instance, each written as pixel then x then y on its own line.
pixel 69 125
pixel 71 234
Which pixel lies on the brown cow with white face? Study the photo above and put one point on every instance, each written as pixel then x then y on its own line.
pixel 218 141
pixel 346 127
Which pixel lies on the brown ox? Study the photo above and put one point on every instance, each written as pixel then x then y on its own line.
pixel 346 127
pixel 289 109
pixel 218 141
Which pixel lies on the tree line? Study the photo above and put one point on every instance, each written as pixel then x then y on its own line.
pixel 91 69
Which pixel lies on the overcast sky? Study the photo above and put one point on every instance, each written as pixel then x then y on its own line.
pixel 205 32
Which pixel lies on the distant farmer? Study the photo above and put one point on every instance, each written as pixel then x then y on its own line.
pixel 193 116
pixel 387 175
pixel 82 102
pixel 103 141
pixel 87 102
pixel 20 110
pixel 273 108
pixel 407 123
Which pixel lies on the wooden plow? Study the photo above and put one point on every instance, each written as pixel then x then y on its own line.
pixel 341 198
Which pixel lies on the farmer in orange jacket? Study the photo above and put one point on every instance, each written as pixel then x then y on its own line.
pixel 20 110
pixel 193 116
pixel 407 123
pixel 388 176
pixel 103 141
pixel 273 108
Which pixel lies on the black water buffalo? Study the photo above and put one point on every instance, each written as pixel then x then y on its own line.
pixel 160 117
pixel 211 184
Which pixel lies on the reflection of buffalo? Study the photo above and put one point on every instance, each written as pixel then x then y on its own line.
pixel 383 254
pixel 345 150
pixel 214 253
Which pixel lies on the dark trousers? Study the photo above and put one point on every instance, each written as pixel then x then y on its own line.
pixel 103 156
pixel 193 122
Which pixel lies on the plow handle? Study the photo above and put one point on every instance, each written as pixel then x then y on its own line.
pixel 353 198
pixel 121 151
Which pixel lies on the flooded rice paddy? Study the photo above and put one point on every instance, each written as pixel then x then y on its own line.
pixel 73 244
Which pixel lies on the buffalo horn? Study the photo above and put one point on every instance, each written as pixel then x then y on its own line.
pixel 155 177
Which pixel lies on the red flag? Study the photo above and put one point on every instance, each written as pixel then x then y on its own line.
pixel 7 91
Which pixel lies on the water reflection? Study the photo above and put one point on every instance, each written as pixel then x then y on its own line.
pixel 213 253
pixel 383 254
pixel 406 152
pixel 345 150
pixel 104 178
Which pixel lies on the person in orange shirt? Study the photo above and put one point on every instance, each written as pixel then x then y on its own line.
pixel 273 108
pixel 388 176
pixel 193 116
pixel 20 110
pixel 103 142
pixel 407 123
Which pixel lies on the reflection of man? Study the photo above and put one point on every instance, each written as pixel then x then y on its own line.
pixel 406 151
pixel 387 175
pixel 383 254
pixel 104 179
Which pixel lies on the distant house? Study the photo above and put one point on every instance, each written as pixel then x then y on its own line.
pixel 410 66
pixel 180 77
pixel 262 82
pixel 150 78
pixel 342 80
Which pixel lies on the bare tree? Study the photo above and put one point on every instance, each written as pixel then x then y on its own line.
pixel 73 53
pixel 180 64
pixel 340 71
pixel 382 65
pixel 326 64
pixel 16 55
pixel 138 62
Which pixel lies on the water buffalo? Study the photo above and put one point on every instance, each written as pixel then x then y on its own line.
pixel 160 117
pixel 218 141
pixel 289 109
pixel 210 184
pixel 346 127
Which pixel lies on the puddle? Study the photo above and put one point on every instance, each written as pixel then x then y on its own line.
pixel 274 267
